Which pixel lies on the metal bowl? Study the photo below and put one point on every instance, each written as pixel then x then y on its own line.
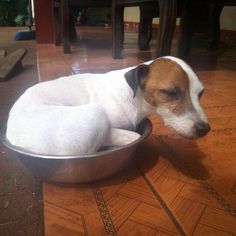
pixel 80 169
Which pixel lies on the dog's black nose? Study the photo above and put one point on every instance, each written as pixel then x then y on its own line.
pixel 202 128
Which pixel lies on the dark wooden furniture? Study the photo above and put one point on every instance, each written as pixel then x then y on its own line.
pixel 191 14
pixel 167 14
pixel 63 18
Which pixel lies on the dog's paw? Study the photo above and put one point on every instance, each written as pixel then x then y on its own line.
pixel 120 137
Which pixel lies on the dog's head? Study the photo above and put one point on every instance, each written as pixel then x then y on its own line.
pixel 171 86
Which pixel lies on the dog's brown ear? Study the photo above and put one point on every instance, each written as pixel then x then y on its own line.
pixel 135 77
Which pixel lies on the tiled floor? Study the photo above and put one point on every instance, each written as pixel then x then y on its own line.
pixel 173 186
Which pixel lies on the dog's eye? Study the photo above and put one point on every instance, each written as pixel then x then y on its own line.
pixel 171 93
pixel 201 93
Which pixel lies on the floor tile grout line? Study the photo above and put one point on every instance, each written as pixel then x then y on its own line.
pixel 161 174
pixel 146 225
pixel 58 213
pixel 165 207
pixel 199 219
pixel 63 208
pixel 220 230
pixel 218 208
pixel 156 228
pixel 129 216
pixel 141 201
pixel 163 204
pixel 84 225
pixel 177 195
pixel 116 192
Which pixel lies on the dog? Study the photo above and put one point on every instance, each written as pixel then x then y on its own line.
pixel 78 114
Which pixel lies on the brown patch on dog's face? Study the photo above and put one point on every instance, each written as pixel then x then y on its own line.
pixel 167 84
pixel 173 90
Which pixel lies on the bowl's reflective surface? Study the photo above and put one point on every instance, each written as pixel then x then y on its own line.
pixel 80 169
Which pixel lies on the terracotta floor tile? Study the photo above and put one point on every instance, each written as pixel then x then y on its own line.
pixel 160 233
pixel 111 186
pixel 223 123
pixel 61 221
pixel 198 194
pixel 211 98
pixel 203 230
pixel 153 217
pixel 174 173
pixel 132 228
pixel 51 58
pixel 208 159
pixel 220 111
pixel 219 219
pixel 168 188
pixel 157 170
pixel 77 200
pixel 188 213
pixel 138 190
pixel 121 208
pixel 149 158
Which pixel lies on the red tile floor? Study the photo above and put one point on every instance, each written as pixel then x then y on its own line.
pixel 173 186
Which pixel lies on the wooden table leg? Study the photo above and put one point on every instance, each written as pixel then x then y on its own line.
pixel 147 12
pixel 214 28
pixel 168 15
pixel 65 25
pixel 187 23
pixel 57 23
pixel 117 30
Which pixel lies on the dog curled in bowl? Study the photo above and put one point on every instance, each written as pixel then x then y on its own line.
pixel 79 114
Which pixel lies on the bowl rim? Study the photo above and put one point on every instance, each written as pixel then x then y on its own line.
pixel 19 150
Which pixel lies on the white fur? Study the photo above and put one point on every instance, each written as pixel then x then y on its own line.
pixel 74 115
pixel 195 86
pixel 120 137
pixel 78 114
pixel 184 123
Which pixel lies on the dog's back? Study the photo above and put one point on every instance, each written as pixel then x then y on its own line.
pixel 67 116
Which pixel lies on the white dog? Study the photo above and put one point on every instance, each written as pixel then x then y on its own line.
pixel 78 114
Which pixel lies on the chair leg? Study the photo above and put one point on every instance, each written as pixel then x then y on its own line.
pixel 145 26
pixel 188 20
pixel 72 31
pixel 57 23
pixel 65 25
pixel 117 30
pixel 214 29
pixel 168 15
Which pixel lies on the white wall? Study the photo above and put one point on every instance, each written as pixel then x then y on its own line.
pixel 227 19
pixel 131 14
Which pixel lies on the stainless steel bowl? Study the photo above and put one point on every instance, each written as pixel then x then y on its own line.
pixel 80 169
